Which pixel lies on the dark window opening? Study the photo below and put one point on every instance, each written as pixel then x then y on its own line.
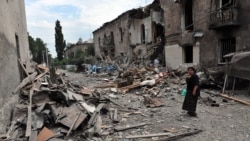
pixel 227 46
pixel 17 46
pixel 121 34
pixel 21 72
pixel 225 2
pixel 158 32
pixel 143 35
pixel 112 41
pixel 188 53
pixel 189 15
pixel 99 42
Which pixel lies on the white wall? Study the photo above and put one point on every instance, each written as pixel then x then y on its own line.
pixel 173 55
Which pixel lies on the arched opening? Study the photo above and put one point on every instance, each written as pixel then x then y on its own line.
pixel 112 41
pixel 121 34
pixel 99 42
pixel 143 34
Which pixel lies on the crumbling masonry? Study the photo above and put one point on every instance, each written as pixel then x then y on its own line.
pixel 13 46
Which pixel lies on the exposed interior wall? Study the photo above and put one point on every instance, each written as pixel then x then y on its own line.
pixel 173 56
pixel 136 32
pixel 73 50
pixel 119 28
pixel 12 26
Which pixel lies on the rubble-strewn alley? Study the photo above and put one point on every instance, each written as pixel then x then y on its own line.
pixel 169 70
pixel 138 104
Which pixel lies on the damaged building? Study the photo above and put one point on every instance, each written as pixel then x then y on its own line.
pixel 135 34
pixel 191 31
pixel 72 50
pixel 203 32
pixel 14 49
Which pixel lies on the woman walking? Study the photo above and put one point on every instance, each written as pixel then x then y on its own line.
pixel 193 93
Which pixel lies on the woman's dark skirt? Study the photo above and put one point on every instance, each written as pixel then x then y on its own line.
pixel 190 102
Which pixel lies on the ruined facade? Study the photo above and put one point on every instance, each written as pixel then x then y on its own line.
pixel 72 51
pixel 195 31
pixel 13 46
pixel 203 31
pixel 137 34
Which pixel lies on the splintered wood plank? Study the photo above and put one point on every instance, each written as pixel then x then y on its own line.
pixel 72 113
pixel 29 120
pixel 122 128
pixel 148 136
pixel 26 81
pixel 235 99
pixel 24 69
pixel 33 136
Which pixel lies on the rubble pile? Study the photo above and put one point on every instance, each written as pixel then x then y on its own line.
pixel 53 108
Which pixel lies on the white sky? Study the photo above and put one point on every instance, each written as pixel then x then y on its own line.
pixel 78 17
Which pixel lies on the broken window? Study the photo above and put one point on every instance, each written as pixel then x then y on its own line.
pixel 189 15
pixel 158 32
pixel 99 42
pixel 188 54
pixel 143 34
pixel 112 42
pixel 227 46
pixel 121 34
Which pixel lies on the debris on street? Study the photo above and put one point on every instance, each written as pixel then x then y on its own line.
pixel 53 107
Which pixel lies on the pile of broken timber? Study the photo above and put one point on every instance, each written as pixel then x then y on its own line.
pixel 51 108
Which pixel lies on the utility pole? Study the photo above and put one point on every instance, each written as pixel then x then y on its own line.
pixel 43 56
pixel 47 57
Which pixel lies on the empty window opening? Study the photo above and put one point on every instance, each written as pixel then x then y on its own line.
pixel 227 46
pixel 189 15
pixel 99 42
pixel 188 54
pixel 17 46
pixel 143 34
pixel 121 34
pixel 158 32
pixel 112 41
pixel 21 72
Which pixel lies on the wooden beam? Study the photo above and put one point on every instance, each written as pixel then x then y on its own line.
pixel 24 69
pixel 29 120
pixel 41 75
pixel 94 116
pixel 176 137
pixel 73 124
pixel 26 81
pixel 235 99
pixel 121 128
pixel 148 136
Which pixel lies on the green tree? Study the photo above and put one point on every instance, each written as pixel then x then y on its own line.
pixel 90 50
pixel 38 49
pixel 60 42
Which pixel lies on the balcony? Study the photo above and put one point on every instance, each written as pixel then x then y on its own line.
pixel 226 17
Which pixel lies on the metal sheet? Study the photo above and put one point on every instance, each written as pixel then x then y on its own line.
pixel 240 66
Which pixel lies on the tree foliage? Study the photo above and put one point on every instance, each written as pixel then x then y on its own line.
pixel 38 48
pixel 90 50
pixel 59 40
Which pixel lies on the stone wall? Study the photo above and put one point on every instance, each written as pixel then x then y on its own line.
pixel 118 27
pixel 13 33
pixel 73 50
pixel 209 43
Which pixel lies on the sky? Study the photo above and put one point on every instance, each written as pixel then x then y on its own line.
pixel 79 18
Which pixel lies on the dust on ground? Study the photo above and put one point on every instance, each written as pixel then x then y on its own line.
pixel 228 122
